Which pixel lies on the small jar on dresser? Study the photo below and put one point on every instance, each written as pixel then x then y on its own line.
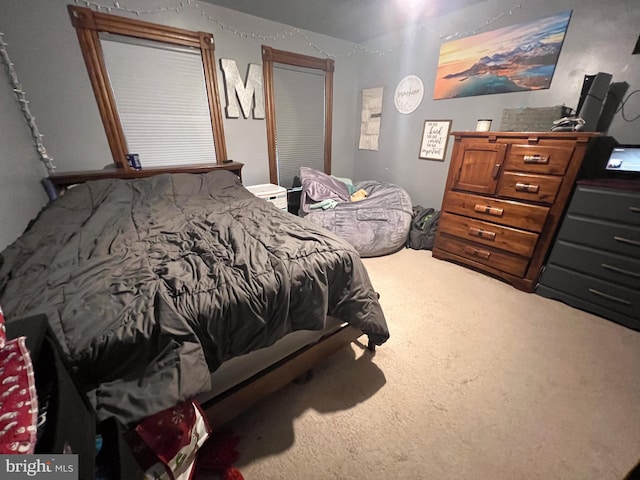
pixel 594 264
pixel 505 195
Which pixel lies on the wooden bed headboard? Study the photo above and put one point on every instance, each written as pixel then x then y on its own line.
pixel 63 180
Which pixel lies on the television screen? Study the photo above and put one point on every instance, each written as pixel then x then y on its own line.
pixel 624 158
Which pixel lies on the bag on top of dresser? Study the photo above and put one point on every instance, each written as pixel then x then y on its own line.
pixel 424 225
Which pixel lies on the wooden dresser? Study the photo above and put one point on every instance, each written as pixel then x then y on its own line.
pixel 594 264
pixel 505 195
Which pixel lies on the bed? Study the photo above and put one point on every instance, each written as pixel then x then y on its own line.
pixel 152 283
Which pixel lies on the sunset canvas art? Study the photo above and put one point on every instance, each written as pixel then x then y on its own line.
pixel 511 59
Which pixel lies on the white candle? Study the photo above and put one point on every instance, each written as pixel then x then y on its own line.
pixel 483 125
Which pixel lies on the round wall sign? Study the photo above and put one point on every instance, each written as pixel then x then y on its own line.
pixel 408 94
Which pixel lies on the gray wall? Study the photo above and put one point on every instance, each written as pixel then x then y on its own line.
pixel 600 37
pixel 21 195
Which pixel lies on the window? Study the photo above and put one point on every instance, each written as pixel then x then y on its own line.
pixel 156 89
pixel 298 108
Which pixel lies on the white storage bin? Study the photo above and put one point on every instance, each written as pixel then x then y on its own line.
pixel 272 193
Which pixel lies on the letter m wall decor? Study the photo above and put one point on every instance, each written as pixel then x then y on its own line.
pixel 236 90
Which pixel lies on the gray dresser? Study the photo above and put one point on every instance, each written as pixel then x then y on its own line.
pixel 594 264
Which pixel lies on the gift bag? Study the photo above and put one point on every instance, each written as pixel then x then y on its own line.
pixel 166 444
pixel 18 398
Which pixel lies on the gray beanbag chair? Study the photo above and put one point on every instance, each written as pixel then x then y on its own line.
pixel 377 225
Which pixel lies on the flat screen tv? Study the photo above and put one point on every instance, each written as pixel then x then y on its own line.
pixel 624 161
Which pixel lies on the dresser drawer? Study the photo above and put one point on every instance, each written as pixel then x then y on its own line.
pixel 615 205
pixel 535 188
pixel 611 237
pixel 606 266
pixel 599 292
pixel 504 212
pixel 491 234
pixel 552 160
pixel 492 257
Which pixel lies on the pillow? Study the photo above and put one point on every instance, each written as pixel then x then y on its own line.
pixel 319 186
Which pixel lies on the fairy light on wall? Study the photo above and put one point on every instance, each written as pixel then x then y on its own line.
pixel 181 6
pixel 24 105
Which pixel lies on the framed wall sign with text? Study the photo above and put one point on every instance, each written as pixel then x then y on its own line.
pixel 435 136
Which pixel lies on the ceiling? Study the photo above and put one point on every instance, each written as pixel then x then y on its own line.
pixel 356 21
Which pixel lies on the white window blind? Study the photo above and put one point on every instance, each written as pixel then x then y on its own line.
pixel 299 105
pixel 161 98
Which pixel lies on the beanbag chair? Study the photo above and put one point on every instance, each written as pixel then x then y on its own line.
pixel 376 225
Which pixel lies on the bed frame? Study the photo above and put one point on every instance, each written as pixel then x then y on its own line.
pixel 298 365
pixel 61 181
pixel 230 403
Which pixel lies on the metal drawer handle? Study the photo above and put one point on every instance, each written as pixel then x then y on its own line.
pixel 537 158
pixel 635 209
pixel 635 243
pixel 478 232
pixel 476 252
pixel 527 187
pixel 496 212
pixel 620 270
pixel 496 170
pixel 610 297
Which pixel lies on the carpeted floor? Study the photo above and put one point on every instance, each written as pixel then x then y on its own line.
pixel 478 381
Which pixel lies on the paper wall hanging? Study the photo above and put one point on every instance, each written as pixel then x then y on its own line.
pixel 370 118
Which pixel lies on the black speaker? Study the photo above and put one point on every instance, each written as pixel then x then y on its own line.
pixel 586 85
pixel 591 102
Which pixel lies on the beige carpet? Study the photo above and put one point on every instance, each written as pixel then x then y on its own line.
pixel 478 381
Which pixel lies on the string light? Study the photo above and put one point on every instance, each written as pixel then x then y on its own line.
pixel 24 105
pixel 178 7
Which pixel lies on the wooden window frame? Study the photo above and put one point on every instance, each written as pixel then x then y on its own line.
pixel 269 57
pixel 89 24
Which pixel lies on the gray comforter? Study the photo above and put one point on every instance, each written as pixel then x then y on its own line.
pixel 150 284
